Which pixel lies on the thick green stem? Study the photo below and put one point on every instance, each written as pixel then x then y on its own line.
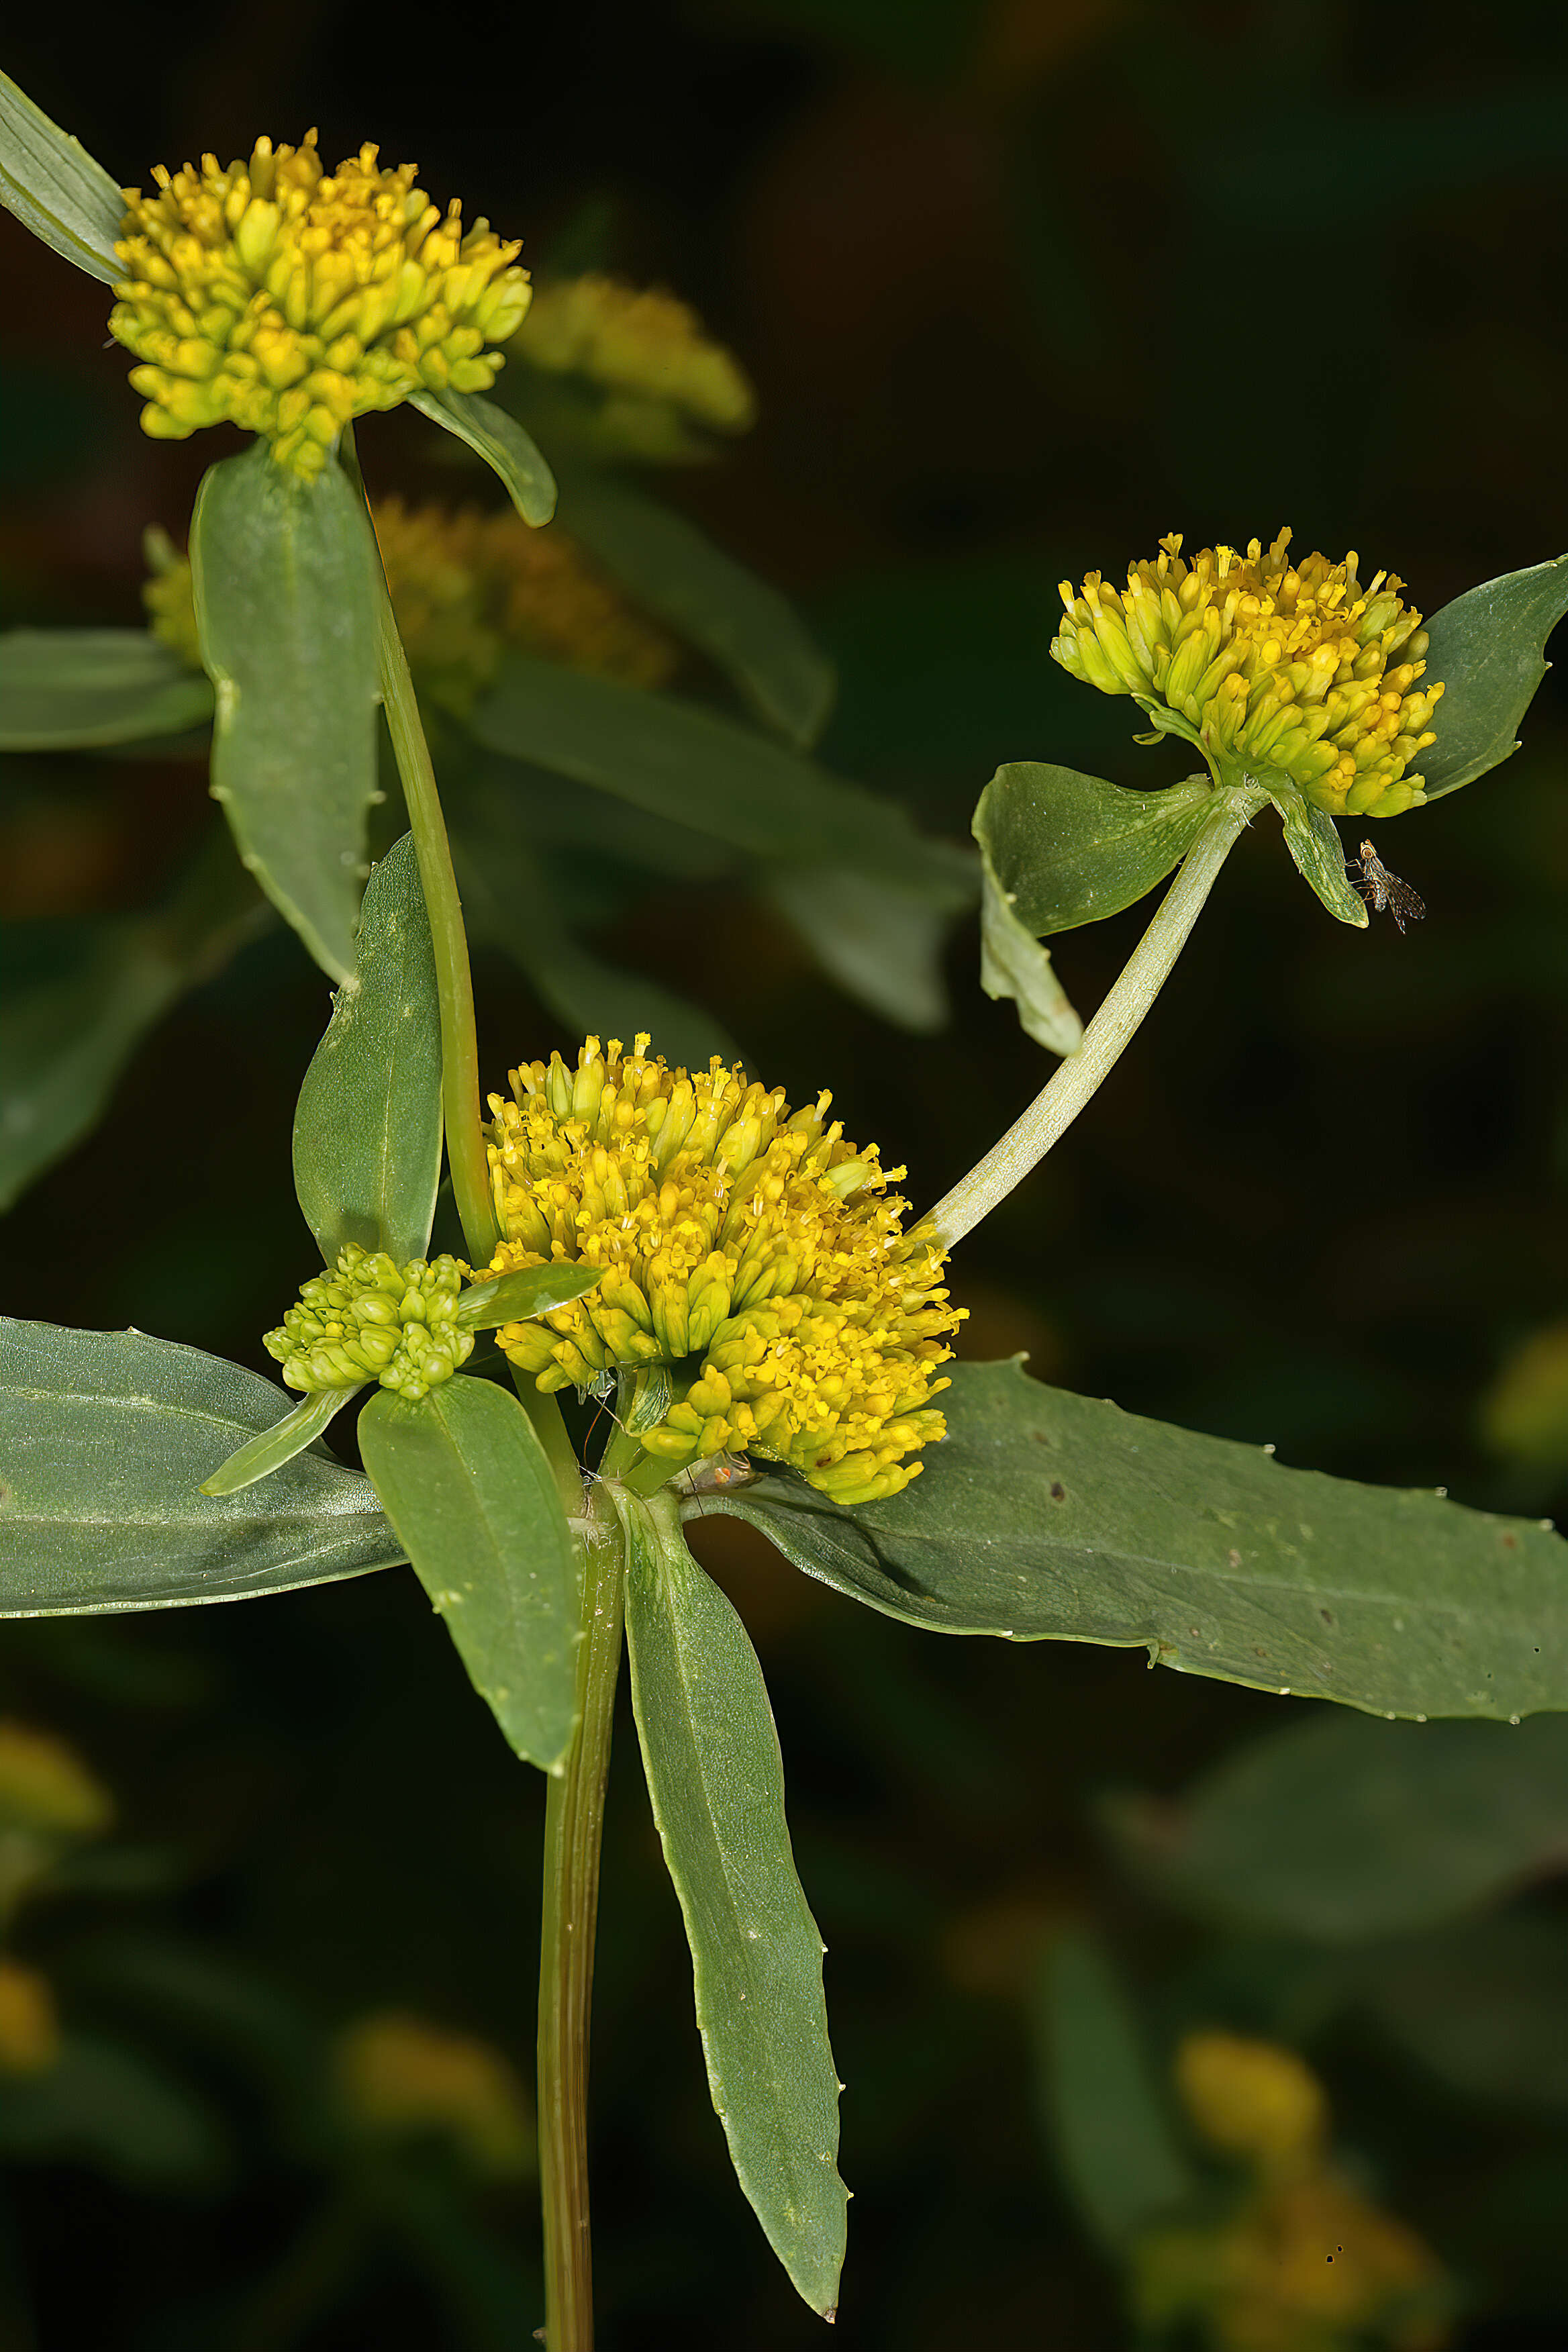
pixel 1148 968
pixel 574 1824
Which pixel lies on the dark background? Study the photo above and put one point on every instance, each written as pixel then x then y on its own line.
pixel 1023 286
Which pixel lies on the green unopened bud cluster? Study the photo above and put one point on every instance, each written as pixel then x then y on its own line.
pixel 370 1319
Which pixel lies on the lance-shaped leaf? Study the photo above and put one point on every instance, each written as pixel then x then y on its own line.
pixel 1338 1828
pixel 742 624
pixel 1047 1517
pixel 465 1481
pixel 512 455
pixel 66 690
pixel 55 187
pixel 77 996
pixel 1112 2138
pixel 1014 965
pixel 679 761
pixel 881 944
pixel 714 1775
pixel 1068 849
pixel 285 588
pixel 1488 648
pixel 518 1297
pixel 367 1127
pixel 105 1437
pixel 259 1456
pixel 1313 839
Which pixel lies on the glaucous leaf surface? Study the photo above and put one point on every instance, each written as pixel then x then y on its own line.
pixel 55 188
pixel 1014 967
pixel 679 761
pixel 1313 841
pixel 517 1297
pixel 716 1780
pixel 512 455
pixel 285 589
pixel 367 1127
pixel 1107 2124
pixel 1338 1828
pixel 78 995
pixel 465 1481
pixel 1068 849
pixel 750 631
pixel 1047 1517
pixel 105 1437
pixel 882 945
pixel 259 1456
pixel 64 689
pixel 1488 647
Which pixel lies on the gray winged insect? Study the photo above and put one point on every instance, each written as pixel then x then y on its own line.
pixel 1385 892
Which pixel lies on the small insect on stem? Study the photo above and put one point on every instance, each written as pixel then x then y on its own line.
pixel 1385 892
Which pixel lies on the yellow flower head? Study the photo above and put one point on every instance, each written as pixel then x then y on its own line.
pixel 639 346
pixel 45 1786
pixel 370 1319
pixel 1252 2099
pixel 400 2074
pixel 29 2020
pixel 749 1249
pixel 290 301
pixel 1275 665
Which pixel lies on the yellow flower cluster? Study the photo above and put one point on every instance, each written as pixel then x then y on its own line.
pixel 289 300
pixel 1297 668
pixel 369 1318
pixel 752 1251
pixel 464 586
pixel 46 1786
pixel 643 345
pixel 400 2075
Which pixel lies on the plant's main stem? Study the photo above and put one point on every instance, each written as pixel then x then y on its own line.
pixel 1148 968
pixel 574 1824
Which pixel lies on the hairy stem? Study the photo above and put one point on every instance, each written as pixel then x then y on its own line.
pixel 573 1824
pixel 1148 968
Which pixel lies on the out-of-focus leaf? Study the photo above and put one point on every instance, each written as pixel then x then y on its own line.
pixel 61 689
pixel 1047 1517
pixel 111 2110
pixel 105 1437
pixel 284 587
pixel 715 1776
pixel 743 624
pixel 465 1481
pixel 1488 649
pixel 367 1127
pixel 1339 1830
pixel 1068 849
pixel 1313 841
pixel 1107 2123
pixel 1480 2005
pixel 881 945
pixel 518 1298
pixel 681 761
pixel 259 1456
pixel 55 188
pixel 77 996
pixel 512 455
pixel 1014 966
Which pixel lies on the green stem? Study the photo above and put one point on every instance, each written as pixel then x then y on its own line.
pixel 454 982
pixel 573 1824
pixel 1148 968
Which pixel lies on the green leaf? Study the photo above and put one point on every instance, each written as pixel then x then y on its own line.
pixel 1014 965
pixel 1339 1830
pixel 105 1437
pixel 77 996
pixel 1313 841
pixel 285 588
pixel 465 1481
pixel 1068 849
pixel 518 1297
pixel 65 690
pixel 1047 1517
pixel 882 945
pixel 716 1780
pixel 743 625
pixel 259 1456
pixel 55 187
pixel 1479 2006
pixel 679 761
pixel 109 2110
pixel 367 1128
pixel 1487 647
pixel 512 454
pixel 1114 2145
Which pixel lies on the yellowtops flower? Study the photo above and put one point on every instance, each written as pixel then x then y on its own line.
pixel 645 345
pixel 29 2022
pixel 368 1319
pixel 398 2073
pixel 1253 2099
pixel 289 300
pixel 1297 668
pixel 46 1786
pixel 749 1249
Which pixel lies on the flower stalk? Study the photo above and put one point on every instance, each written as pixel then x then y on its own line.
pixel 1072 1085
